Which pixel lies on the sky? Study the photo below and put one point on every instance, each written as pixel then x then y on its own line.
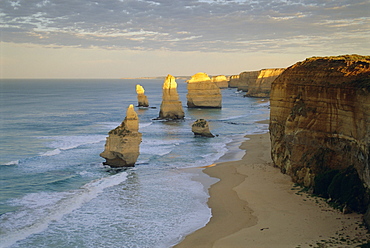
pixel 139 38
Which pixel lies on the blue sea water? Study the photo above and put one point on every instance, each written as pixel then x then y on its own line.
pixel 54 189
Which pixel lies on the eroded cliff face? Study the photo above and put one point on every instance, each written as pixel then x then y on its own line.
pixel 221 81
pixel 171 107
pixel 203 93
pixel 319 127
pixel 261 86
pixel 122 144
pixel 255 83
pixel 320 118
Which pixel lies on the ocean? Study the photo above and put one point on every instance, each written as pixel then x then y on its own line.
pixel 54 189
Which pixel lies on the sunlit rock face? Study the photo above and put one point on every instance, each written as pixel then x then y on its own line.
pixel 255 83
pixel 201 128
pixel 203 93
pixel 261 86
pixel 122 144
pixel 320 117
pixel 221 81
pixel 142 100
pixel 171 107
pixel 234 81
pixel 245 79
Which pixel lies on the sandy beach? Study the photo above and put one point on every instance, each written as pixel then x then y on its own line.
pixel 255 205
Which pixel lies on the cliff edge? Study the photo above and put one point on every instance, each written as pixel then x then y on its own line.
pixel 320 125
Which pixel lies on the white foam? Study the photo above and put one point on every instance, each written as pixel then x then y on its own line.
pixel 15 162
pixel 144 125
pixel 234 117
pixel 52 152
pixel 40 209
pixel 61 143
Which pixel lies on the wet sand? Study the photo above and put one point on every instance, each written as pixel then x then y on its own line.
pixel 255 205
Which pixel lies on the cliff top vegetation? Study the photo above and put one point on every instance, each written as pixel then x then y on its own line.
pixel 349 57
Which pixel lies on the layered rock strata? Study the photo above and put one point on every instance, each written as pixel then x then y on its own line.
pixel 261 86
pixel 255 83
pixel 201 128
pixel 234 81
pixel 122 144
pixel 221 81
pixel 320 119
pixel 171 107
pixel 203 93
pixel 142 100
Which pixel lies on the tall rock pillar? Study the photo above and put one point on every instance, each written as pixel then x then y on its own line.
pixel 122 144
pixel 171 107
pixel 142 100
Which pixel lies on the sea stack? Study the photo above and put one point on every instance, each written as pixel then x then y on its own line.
pixel 221 81
pixel 319 127
pixel 200 128
pixel 122 144
pixel 142 100
pixel 203 93
pixel 171 107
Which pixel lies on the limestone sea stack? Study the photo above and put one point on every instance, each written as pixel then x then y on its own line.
pixel 171 107
pixel 122 144
pixel 203 93
pixel 221 81
pixel 200 127
pixel 142 100
pixel 320 125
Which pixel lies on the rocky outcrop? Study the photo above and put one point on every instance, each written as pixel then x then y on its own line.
pixel 234 81
pixel 255 83
pixel 261 86
pixel 221 81
pixel 142 100
pixel 245 79
pixel 203 93
pixel 320 121
pixel 171 107
pixel 200 127
pixel 122 144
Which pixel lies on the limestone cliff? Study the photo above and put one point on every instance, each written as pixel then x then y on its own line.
pixel 171 107
pixel 221 81
pixel 255 83
pixel 200 127
pixel 245 79
pixel 234 81
pixel 320 118
pixel 203 93
pixel 142 100
pixel 122 144
pixel 261 86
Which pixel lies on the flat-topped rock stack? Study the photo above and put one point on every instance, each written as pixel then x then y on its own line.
pixel 221 81
pixel 122 144
pixel 203 93
pixel 171 106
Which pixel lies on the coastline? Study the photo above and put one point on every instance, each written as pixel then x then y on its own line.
pixel 254 205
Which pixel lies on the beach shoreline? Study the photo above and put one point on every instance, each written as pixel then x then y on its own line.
pixel 254 205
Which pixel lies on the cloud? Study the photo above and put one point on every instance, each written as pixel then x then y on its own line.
pixel 188 25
